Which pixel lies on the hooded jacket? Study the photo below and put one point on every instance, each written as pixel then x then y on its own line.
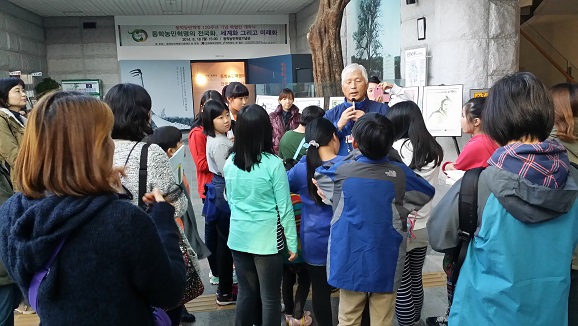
pixel 279 130
pixel 516 270
pixel 371 202
pixel 116 261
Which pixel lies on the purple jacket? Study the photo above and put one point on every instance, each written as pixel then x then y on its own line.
pixel 277 123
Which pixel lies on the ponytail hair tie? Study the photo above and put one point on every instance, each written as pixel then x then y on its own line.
pixel 314 144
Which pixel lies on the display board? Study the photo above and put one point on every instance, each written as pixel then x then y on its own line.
pixel 92 87
pixel 303 102
pixel 335 100
pixel 415 64
pixel 201 35
pixel 269 103
pixel 169 84
pixel 442 109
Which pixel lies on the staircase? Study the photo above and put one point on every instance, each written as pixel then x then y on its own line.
pixel 554 62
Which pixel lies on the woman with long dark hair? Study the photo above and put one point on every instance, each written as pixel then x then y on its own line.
pixel 261 213
pixel 420 151
pixel 323 146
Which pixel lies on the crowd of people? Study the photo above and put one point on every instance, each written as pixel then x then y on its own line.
pixel 328 200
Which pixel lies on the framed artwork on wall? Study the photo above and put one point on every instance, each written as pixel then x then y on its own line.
pixel 421 28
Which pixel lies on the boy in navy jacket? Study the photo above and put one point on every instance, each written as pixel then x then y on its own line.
pixel 371 197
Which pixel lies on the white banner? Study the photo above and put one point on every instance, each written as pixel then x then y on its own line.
pixel 171 35
pixel 415 67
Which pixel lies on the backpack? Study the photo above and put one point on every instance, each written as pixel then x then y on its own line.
pixel 468 215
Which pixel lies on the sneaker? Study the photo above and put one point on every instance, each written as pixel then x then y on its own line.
pixel 25 309
pixel 226 299
pixel 437 321
pixel 213 279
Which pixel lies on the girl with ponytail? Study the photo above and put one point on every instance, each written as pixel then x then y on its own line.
pixel 316 216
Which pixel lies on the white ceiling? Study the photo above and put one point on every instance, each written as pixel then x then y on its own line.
pixel 47 8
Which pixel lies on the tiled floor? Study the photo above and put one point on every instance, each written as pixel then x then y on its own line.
pixel 209 314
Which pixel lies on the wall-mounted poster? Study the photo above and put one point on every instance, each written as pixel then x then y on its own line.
pixel 415 63
pixel 269 103
pixel 169 85
pixel 215 75
pixel 335 100
pixel 201 35
pixel 442 109
pixel 303 102
pixel 92 87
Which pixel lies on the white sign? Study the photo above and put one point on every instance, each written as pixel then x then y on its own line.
pixel 176 162
pixel 335 100
pixel 415 67
pixel 442 109
pixel 15 73
pixel 36 74
pixel 90 87
pixel 303 102
pixel 269 103
pixel 170 35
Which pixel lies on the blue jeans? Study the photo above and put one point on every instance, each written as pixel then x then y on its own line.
pixel 10 297
pixel 259 298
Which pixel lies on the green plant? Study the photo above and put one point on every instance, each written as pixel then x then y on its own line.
pixel 46 85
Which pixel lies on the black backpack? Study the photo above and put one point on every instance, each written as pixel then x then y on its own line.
pixel 468 214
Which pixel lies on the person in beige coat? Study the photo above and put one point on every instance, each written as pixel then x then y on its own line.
pixel 12 100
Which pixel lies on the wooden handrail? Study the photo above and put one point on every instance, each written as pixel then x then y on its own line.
pixel 547 56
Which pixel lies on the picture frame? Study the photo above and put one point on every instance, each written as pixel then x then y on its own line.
pixel 421 28
pixel 335 100
pixel 303 102
pixel 442 110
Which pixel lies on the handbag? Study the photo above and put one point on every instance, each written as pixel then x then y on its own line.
pixel 193 285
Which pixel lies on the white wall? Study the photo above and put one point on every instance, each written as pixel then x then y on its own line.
pixel 469 42
pixel 77 53
pixel 22 44
pixel 204 52
pixel 299 24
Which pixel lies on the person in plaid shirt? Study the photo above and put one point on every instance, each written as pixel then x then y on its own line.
pixel 516 268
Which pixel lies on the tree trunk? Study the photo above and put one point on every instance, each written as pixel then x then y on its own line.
pixel 325 43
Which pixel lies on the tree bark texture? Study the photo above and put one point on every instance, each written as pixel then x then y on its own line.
pixel 325 43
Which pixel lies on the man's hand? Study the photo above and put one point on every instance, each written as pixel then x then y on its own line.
pixel 348 114
pixel 358 114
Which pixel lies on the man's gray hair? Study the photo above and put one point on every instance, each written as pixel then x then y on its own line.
pixel 351 68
